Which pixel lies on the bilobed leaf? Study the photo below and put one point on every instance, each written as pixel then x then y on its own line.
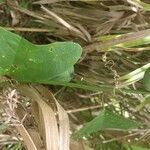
pixel 27 62
pixel 106 120
pixel 146 79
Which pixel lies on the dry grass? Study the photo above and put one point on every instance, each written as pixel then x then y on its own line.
pixel 42 123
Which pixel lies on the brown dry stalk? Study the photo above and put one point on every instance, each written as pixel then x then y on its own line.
pixel 22 29
pixel 63 119
pixel 25 11
pixel 101 46
pixel 50 1
pixel 63 128
pixel 84 109
pixel 47 118
pixel 55 137
pixel 64 23
pixel 26 137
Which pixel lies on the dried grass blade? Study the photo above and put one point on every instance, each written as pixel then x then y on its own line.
pixel 130 37
pixel 63 128
pixel 30 13
pixel 26 137
pixel 63 120
pixel 47 1
pixel 53 1
pixel 64 23
pixel 23 29
pixel 36 138
pixel 49 119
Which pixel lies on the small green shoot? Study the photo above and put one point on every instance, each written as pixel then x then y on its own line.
pixel 146 79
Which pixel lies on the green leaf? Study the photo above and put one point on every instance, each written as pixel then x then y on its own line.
pixel 129 44
pixel 27 62
pixel 133 76
pixel 106 120
pixel 146 79
pixel 139 148
pixel 1 1
pixel 130 147
pixel 146 6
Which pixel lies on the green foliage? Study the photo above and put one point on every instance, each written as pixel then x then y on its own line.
pixel 106 120
pixel 27 62
pixel 1 1
pixel 145 6
pixel 129 44
pixel 146 79
pixel 24 3
pixel 133 76
pixel 109 146
pixel 17 146
pixel 135 148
